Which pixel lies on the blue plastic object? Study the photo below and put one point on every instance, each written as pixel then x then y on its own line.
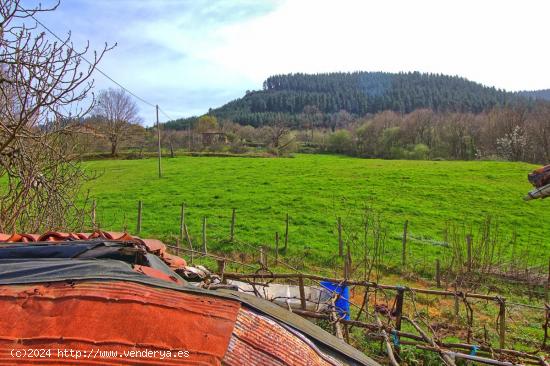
pixel 342 304
pixel 395 338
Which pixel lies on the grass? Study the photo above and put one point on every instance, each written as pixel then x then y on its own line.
pixel 314 190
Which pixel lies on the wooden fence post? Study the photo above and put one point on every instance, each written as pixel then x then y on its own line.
pixel 189 242
pixel 399 311
pixel 178 247
pixel 159 149
pixel 182 222
pixel 204 250
pixel 547 292
pixel 140 208
pixel 438 273
pixel 347 264
pixel 340 241
pixel 546 326
pixel 94 205
pixel 469 252
pixel 221 269
pixel 286 234
pixel 457 303
pixel 232 235
pixel 263 261
pixel 302 292
pixel 502 323
pixel 276 248
pixel 404 242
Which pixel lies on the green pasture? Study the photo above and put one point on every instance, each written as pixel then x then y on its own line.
pixel 316 189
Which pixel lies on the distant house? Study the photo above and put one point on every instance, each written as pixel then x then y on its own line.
pixel 212 138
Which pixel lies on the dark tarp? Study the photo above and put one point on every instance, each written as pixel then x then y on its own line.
pixel 100 249
pixel 86 249
pixel 25 271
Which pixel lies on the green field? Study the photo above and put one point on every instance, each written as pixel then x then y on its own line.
pixel 314 190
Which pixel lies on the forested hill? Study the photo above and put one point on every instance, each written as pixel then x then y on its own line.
pixel 359 93
pixel 536 94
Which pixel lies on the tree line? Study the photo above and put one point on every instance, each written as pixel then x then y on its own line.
pixel 514 133
pixel 361 93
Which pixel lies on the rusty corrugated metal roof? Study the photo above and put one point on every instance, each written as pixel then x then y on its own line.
pixel 108 305
pixel 114 316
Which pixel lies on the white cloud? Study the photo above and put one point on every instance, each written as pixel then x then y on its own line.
pixel 188 55
pixel 499 43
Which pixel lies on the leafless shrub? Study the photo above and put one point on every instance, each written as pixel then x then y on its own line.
pixel 44 90
pixel 366 240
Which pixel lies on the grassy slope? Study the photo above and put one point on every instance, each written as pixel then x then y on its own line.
pixel 314 190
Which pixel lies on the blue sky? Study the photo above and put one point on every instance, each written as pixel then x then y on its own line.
pixel 190 55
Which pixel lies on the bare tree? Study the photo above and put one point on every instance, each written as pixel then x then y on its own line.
pixel 44 89
pixel 118 115
pixel 279 136
pixel 540 130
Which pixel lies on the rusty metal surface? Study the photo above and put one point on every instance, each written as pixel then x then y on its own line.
pixel 320 337
pixel 50 309
pixel 115 316
pixel 258 340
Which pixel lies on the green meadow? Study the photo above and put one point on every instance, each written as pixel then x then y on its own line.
pixel 317 189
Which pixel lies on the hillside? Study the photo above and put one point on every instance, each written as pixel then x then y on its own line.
pixel 543 94
pixel 288 96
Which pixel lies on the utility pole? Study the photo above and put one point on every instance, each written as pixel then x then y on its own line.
pixel 189 136
pixel 158 131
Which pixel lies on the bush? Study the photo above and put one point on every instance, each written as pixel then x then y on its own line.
pixel 340 142
pixel 420 152
pixel 238 149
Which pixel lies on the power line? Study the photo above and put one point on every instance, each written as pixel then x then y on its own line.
pixel 166 114
pixel 96 67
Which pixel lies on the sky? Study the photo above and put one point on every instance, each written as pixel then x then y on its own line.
pixel 192 55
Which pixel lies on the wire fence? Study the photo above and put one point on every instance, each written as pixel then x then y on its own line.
pixel 448 313
pixel 371 249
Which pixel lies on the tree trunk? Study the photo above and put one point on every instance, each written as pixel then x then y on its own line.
pixel 114 148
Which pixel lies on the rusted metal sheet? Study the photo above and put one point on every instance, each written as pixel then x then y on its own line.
pixel 258 340
pixel 114 316
pixel 88 303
